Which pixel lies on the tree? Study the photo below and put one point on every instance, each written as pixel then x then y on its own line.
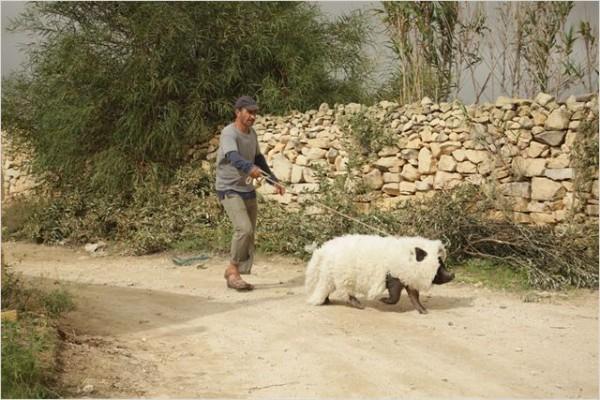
pixel 116 90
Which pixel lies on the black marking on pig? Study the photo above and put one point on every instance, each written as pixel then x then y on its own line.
pixel 421 254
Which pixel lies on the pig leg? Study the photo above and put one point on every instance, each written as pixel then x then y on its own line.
pixel 353 301
pixel 413 295
pixel 394 287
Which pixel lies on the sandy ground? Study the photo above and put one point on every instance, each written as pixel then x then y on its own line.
pixel 144 327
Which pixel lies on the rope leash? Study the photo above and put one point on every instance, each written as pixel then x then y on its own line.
pixel 268 178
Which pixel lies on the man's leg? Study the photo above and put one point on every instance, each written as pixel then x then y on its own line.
pixel 243 234
pixel 245 266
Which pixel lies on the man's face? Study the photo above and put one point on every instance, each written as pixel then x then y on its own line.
pixel 245 117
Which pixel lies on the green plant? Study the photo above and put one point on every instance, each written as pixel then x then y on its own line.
pixel 585 162
pixel 370 134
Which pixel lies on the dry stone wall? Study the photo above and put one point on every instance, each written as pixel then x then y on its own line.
pixel 16 177
pixel 520 149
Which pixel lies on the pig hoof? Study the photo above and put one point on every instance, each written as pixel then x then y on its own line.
pixel 353 301
pixel 386 300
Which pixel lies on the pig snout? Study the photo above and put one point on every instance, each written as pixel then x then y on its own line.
pixel 442 275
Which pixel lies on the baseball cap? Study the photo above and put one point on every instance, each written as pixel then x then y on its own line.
pixel 246 102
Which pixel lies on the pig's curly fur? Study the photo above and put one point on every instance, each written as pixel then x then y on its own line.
pixel 358 265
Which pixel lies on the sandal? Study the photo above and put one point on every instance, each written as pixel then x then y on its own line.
pixel 238 284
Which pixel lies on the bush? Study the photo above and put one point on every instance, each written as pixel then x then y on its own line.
pixel 107 101
pixel 30 344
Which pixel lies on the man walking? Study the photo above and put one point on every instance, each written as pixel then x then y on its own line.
pixel 238 160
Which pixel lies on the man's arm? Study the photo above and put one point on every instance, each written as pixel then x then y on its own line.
pixel 260 161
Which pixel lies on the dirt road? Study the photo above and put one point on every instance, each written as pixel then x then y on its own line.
pixel 147 328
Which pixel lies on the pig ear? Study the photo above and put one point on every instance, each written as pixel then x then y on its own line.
pixel 421 254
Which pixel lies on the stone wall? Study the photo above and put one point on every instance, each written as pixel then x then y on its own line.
pixel 520 149
pixel 16 177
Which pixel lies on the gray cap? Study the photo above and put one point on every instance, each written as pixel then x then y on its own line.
pixel 246 102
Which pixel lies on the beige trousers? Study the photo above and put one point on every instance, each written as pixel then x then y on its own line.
pixel 242 214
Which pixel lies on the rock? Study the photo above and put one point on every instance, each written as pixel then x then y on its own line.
pixel 388 162
pixel 477 156
pixel 426 101
pixel 535 149
pixel 410 173
pixel 315 154
pixel 282 168
pixel 424 185
pixel 322 143
pixel 466 167
pixel 407 187
pixel 542 218
pixel 389 177
pixel 445 180
pixel 447 163
pixel 425 161
pixel 552 138
pixel 558 120
pixel 297 174
pixel 542 99
pixel 560 174
pixel 545 189
pixel 392 189
pixel 516 189
pixel 528 166
pixel 374 179
pixel 561 161
pixel 309 176
pixel 95 248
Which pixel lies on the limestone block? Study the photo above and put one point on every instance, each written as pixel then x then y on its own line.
pixel 447 163
pixel 528 166
pixel 560 174
pixel 516 189
pixel 426 164
pixel 388 162
pixel 389 177
pixel 305 188
pixel 301 160
pixel 445 180
pixel 374 179
pixel 595 189
pixel 449 147
pixel 297 174
pixel 308 176
pixel 459 155
pixel 561 161
pixel 315 153
pixel 424 185
pixel 393 189
pixel 320 142
pixel 558 120
pixel 387 151
pixel 282 168
pixel 477 156
pixel 543 98
pixel 546 189
pixel 466 167
pixel 535 149
pixel 410 173
pixel 407 187
pixel 542 218
pixel 341 163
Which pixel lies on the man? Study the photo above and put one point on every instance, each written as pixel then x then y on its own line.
pixel 238 160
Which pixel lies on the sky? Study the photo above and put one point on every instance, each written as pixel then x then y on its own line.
pixel 13 56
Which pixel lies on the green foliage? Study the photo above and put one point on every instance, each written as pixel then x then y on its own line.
pixel 369 132
pixel 585 161
pixel 29 344
pixel 116 90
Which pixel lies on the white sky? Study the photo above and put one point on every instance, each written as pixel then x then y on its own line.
pixel 12 43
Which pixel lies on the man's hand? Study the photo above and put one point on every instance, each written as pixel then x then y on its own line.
pixel 279 189
pixel 255 172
